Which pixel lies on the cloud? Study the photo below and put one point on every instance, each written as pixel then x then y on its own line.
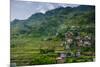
pixel 24 9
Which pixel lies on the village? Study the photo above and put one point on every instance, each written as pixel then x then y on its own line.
pixel 72 47
pixel 61 35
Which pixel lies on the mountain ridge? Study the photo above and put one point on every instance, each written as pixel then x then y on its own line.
pixel 50 22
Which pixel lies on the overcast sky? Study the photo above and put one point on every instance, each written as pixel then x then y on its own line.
pixel 23 9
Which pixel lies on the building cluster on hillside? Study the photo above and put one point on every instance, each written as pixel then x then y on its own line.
pixel 71 40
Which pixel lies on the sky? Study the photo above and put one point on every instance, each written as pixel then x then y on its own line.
pixel 23 9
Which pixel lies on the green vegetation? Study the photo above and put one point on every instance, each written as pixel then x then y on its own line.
pixel 37 40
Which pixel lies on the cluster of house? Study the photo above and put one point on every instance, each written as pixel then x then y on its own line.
pixel 69 39
pixel 81 41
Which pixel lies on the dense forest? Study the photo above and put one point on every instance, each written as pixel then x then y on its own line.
pixel 38 39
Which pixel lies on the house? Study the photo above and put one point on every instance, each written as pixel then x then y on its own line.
pixel 87 41
pixel 61 58
pixel 78 54
pixel 79 41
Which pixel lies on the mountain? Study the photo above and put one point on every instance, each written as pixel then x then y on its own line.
pixel 55 21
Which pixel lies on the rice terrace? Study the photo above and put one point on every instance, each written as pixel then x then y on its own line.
pixel 64 34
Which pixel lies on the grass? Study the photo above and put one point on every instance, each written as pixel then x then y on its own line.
pixel 27 52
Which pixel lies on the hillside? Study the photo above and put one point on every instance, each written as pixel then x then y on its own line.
pixel 52 21
pixel 39 38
